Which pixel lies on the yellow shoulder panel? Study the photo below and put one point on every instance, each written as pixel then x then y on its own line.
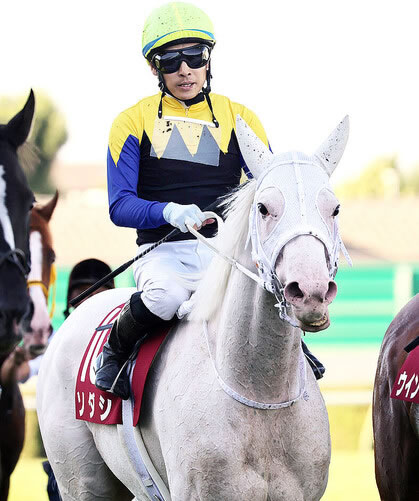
pixel 226 112
pixel 132 122
pixel 252 120
pixel 223 105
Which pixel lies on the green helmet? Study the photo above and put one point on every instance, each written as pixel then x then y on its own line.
pixel 176 21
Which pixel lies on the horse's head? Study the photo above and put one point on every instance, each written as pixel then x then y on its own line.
pixel 41 277
pixel 293 224
pixel 16 200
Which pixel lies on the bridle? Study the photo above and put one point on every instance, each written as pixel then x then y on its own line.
pixel 268 280
pixel 265 263
pixel 18 258
pixel 45 289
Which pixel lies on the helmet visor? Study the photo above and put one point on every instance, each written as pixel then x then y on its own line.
pixel 170 60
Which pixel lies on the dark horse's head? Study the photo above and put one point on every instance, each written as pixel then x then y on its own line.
pixel 16 200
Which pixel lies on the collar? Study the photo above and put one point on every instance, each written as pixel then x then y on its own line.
pixel 173 102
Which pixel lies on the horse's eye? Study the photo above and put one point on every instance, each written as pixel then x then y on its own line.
pixel 262 209
pixel 336 211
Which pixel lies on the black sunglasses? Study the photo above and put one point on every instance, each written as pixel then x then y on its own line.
pixel 170 60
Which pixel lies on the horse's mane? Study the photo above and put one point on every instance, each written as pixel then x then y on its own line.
pixel 231 240
pixel 28 155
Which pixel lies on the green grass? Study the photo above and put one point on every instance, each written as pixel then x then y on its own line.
pixel 29 481
pixel 351 477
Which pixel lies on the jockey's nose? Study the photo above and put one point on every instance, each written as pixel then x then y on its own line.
pixel 184 69
pixel 297 293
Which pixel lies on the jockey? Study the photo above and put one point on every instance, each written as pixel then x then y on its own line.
pixel 170 156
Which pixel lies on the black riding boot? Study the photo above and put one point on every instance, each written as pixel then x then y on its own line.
pixel 315 364
pixel 129 330
pixel 52 487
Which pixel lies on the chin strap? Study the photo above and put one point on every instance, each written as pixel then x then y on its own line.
pixel 215 121
pixel 207 91
pixel 204 94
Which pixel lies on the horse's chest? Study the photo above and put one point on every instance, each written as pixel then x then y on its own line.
pixel 248 454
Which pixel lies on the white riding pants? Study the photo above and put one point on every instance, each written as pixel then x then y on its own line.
pixel 156 274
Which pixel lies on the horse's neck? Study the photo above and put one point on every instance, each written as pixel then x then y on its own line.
pixel 256 353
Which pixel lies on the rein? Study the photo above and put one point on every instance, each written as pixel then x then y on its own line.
pixel 52 285
pixel 16 257
pixel 274 287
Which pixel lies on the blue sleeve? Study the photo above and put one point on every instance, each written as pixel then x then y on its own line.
pixel 125 207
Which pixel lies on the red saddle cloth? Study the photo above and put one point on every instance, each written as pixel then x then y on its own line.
pixel 96 406
pixel 406 386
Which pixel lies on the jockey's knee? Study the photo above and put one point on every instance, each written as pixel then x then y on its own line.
pixel 164 301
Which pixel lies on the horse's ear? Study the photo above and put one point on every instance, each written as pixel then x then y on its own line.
pixel 255 153
pixel 331 151
pixel 20 125
pixel 46 210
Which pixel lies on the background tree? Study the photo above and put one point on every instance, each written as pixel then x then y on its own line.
pixel 48 135
pixel 410 182
pixel 382 178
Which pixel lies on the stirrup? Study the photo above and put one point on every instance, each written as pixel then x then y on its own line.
pixel 316 366
pixel 124 367
pixel 120 386
pixel 112 375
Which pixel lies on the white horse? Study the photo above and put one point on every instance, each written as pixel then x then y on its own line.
pixel 232 410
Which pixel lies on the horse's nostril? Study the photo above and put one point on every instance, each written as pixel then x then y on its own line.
pixel 331 291
pixel 292 292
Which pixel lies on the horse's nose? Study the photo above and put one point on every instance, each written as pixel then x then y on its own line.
pixel 297 293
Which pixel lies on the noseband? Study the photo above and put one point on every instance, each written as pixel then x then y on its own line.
pixel 45 289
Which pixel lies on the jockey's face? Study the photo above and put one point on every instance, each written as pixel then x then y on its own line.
pixel 185 83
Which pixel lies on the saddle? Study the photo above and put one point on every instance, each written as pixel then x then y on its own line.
pixel 406 385
pixel 97 406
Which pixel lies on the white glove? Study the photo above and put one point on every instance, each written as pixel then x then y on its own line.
pixel 180 215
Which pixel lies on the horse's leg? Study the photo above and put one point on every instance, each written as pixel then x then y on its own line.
pixel 79 469
pixel 414 419
pixel 12 434
pixel 108 443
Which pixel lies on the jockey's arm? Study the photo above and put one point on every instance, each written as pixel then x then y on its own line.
pixel 125 207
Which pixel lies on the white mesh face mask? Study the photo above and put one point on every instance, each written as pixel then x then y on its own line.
pixel 303 184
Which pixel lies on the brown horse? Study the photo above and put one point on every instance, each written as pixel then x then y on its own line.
pixel 41 277
pixel 396 422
